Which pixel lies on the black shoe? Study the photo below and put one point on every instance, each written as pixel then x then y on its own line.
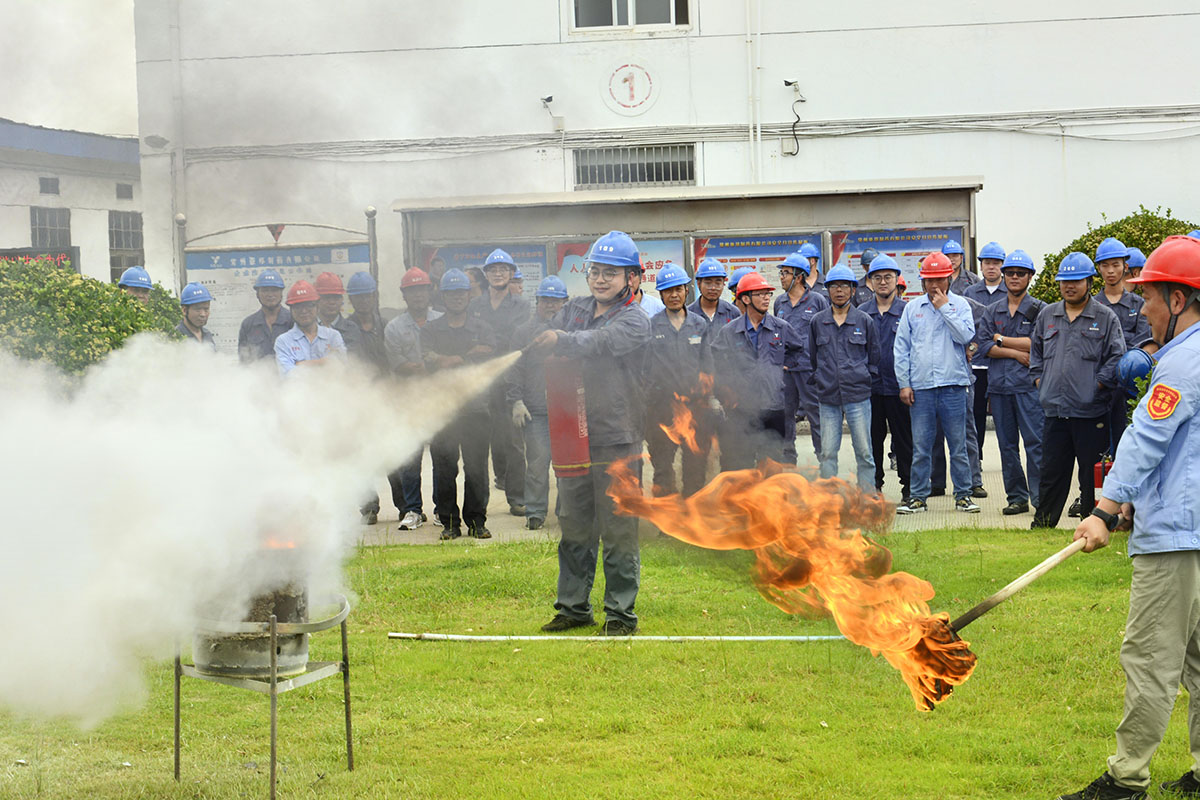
pixel 966 505
pixel 1187 786
pixel 370 517
pixel 1076 509
pixel 423 517
pixel 937 492
pixel 614 627
pixel 497 484
pixel 1040 524
pixel 1015 507
pixel 979 492
pixel 478 531
pixel 451 529
pixel 892 462
pixel 516 509
pixel 534 523
pixel 1104 788
pixel 562 622
pixel 914 505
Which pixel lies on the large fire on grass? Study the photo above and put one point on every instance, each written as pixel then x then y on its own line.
pixel 813 559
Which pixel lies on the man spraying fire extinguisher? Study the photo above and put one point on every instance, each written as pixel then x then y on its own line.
pixel 1154 473
pixel 604 335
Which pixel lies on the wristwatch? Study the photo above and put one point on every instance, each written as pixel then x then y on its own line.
pixel 1111 521
pixel 999 340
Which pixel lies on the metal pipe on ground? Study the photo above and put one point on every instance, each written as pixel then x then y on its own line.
pixel 456 637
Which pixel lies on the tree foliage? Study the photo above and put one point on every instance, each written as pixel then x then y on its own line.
pixel 1144 229
pixel 51 313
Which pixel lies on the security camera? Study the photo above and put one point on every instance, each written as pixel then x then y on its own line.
pixel 795 87
pixel 789 83
pixel 548 99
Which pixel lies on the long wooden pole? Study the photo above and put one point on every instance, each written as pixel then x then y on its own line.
pixel 1017 585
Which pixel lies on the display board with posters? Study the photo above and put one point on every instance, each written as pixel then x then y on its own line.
pixel 530 258
pixel 655 253
pixel 764 252
pixel 229 276
pixel 907 246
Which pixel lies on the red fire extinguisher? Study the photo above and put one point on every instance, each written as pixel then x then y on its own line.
pixel 1100 471
pixel 570 454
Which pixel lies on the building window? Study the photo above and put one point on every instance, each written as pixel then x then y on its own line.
pixel 48 185
pixel 124 191
pixel 124 242
pixel 622 167
pixel 50 227
pixel 623 13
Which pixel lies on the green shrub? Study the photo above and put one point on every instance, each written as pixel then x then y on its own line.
pixel 1143 229
pixel 51 313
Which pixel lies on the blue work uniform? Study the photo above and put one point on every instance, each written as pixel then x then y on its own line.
pixel 845 362
pixel 673 364
pixel 352 335
pixel 1076 363
pixel 402 343
pixel 888 414
pixel 206 336
pixel 651 304
pixel 980 292
pixel 526 383
pixel 1014 399
pixel 965 278
pixel 256 339
pixel 1136 330
pixel 609 349
pixel 293 347
pixel 800 396
pixel 725 312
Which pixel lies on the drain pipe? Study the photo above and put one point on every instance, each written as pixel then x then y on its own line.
pixel 750 98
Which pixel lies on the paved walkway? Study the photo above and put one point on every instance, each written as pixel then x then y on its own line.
pixel 506 528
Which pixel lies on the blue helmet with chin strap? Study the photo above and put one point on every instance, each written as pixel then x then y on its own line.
pixel 1111 248
pixel 135 278
pixel 1018 259
pixel 1076 266
pixel 879 264
pixel 953 246
pixel 194 293
pixel 616 249
pixel 499 256
pixel 840 274
pixel 552 286
pixel 670 276
pixel 711 268
pixel 798 261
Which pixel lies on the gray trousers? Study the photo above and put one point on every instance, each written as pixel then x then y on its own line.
pixel 1161 650
pixel 585 512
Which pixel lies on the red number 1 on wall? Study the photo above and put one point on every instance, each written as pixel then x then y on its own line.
pixel 628 79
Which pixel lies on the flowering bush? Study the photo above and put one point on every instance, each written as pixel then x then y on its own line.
pixel 51 313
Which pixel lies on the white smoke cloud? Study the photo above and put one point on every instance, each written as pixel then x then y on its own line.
pixel 135 500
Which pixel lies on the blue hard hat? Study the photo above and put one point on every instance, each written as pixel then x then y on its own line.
pixel 810 250
pixel 268 278
pixel 552 286
pixel 670 276
pixel 1136 258
pixel 1136 363
pixel 455 280
pixel 840 274
pixel 953 246
pixel 615 249
pixel 499 256
pixel 737 275
pixel 991 250
pixel 798 261
pixel 361 283
pixel 1019 259
pixel 868 255
pixel 1194 234
pixel 194 293
pixel 1111 248
pixel 711 268
pixel 135 278
pixel 879 264
pixel 517 276
pixel 1074 266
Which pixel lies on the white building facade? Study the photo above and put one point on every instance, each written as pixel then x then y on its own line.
pixel 274 112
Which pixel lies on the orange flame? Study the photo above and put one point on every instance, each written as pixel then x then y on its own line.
pixel 812 558
pixel 682 429
pixel 276 544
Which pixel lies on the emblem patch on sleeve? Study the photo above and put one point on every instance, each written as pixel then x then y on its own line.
pixel 1162 402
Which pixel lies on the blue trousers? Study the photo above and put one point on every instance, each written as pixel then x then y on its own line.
pixel 800 399
pixel 937 473
pixel 1019 414
pixel 858 419
pixel 946 405
pixel 405 481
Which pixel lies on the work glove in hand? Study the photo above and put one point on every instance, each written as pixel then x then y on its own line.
pixel 521 414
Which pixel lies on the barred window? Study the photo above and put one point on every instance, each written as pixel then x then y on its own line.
pixel 48 185
pixel 619 13
pixel 623 167
pixel 124 191
pixel 124 242
pixel 50 227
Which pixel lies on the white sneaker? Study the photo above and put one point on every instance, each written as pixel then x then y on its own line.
pixel 412 520
pixel 966 505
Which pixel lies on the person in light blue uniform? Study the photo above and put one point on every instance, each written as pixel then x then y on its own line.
pixel 844 355
pixel 308 343
pixel 797 306
pixel 1152 484
pixel 710 281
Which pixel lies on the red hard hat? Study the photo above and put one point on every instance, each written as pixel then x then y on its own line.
pixel 302 292
pixel 936 265
pixel 753 282
pixel 1176 260
pixel 415 277
pixel 328 283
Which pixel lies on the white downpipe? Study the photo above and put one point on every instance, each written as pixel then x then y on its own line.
pixel 750 100
pixel 758 87
pixel 458 637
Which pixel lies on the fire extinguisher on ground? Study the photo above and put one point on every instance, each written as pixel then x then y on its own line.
pixel 1100 471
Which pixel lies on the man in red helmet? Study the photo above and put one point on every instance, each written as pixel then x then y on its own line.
pixel 750 355
pixel 332 296
pixel 308 343
pixel 1154 473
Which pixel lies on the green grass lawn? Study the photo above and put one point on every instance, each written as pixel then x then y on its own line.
pixel 641 719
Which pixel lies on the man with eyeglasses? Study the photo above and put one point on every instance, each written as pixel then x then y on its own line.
pixel 605 334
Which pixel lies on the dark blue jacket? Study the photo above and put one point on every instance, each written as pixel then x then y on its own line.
pixel 256 339
pixel 750 378
pixel 675 358
pixel 1007 375
pixel 725 312
pixel 1072 357
pixel 800 317
pixel 845 358
pixel 610 349
pixel 980 294
pixel 526 381
pixel 503 320
pixel 885 336
pixel 1128 309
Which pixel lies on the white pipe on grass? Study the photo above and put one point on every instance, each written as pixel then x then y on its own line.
pixel 458 637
